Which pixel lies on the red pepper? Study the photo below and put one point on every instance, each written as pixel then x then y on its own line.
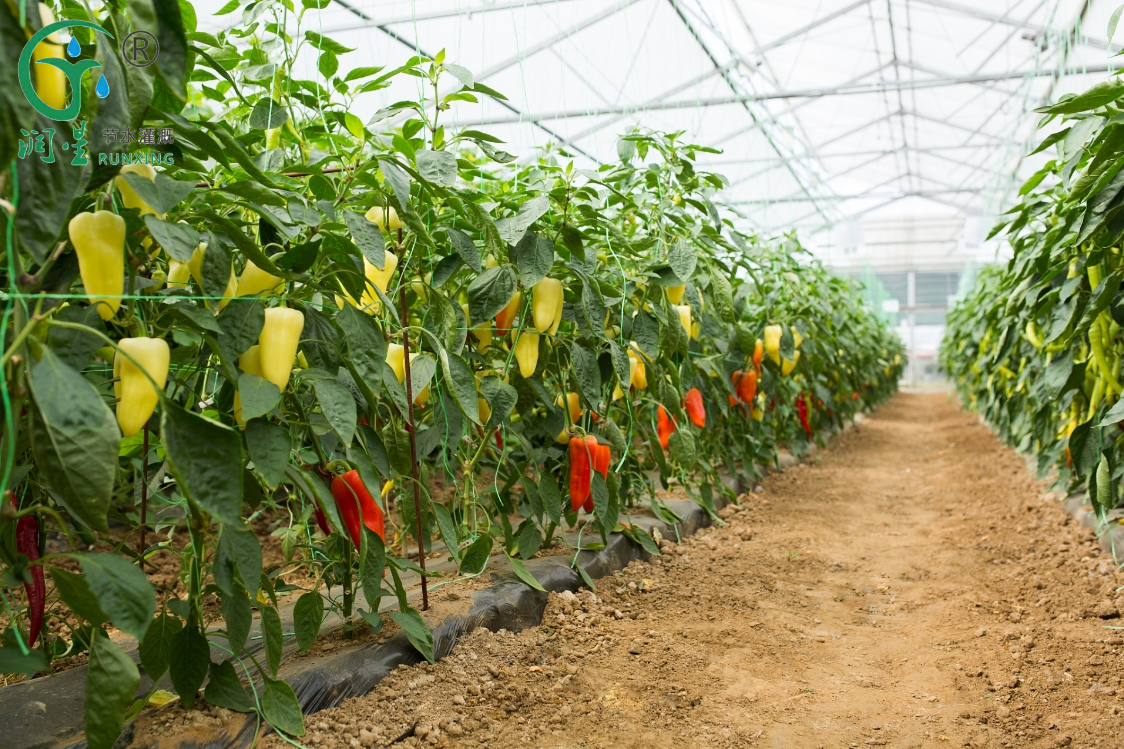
pixel 580 461
pixel 499 440
pixel 665 425
pixel 322 521
pixel 854 396
pixel 696 412
pixel 758 354
pixel 27 543
pixel 345 490
pixel 733 400
pixel 602 456
pixel 802 410
pixel 747 387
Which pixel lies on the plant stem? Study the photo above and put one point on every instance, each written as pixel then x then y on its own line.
pixel 144 494
pixel 410 428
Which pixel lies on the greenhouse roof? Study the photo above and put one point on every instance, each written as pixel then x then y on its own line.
pixel 827 112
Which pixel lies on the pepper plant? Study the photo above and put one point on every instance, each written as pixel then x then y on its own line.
pixel 1035 346
pixel 306 318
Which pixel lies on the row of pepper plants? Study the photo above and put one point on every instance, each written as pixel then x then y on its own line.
pixel 1035 346
pixel 309 318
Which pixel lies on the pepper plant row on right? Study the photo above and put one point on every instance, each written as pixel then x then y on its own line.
pixel 1035 347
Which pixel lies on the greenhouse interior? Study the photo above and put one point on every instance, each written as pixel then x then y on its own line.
pixel 561 373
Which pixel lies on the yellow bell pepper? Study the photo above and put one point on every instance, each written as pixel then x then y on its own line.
pixel 696 329
pixel 195 265
pixel 178 274
pixel 370 301
pixel 482 332
pixel 250 363
pixel 490 261
pixel 385 218
pixel 136 396
pixel 421 398
pixel 129 196
pixel 99 241
pixel 773 342
pixel 279 338
pixel 546 304
pixel 396 358
pixel 685 317
pixel 50 82
pixel 254 280
pixel 788 365
pixel 758 411
pixel 675 293
pixel 617 392
pixel 527 353
pixel 639 375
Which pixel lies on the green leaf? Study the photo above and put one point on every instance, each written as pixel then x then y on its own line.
pixel 367 237
pixel 206 459
pixel 1102 295
pixel 593 308
pixel 280 707
pixel 1113 20
pixel 76 347
pixel 269 445
pixel 524 574
pixel 681 256
pixel 338 408
pixel 171 63
pixel 76 593
pixel 587 373
pixel 238 549
pixel 397 443
pixel 156 647
pixel 476 555
pixel 1114 415
pixel 111 685
pixel 462 383
pixel 534 257
pixel 215 271
pixel 241 323
pixel 1100 94
pixel 512 229
pixel 620 364
pixel 271 634
pixel 308 613
pixel 225 689
pixel 448 528
pixel 122 590
pixel 646 333
pixel 438 167
pixel 529 540
pixel 13 661
pixel 372 565
pixel 1084 447
pixel 398 179
pixel 190 656
pixel 599 490
pixel 237 614
pixel 162 194
pixel 314 488
pixel 551 497
pixel 490 292
pixel 723 296
pixel 267 114
pixel 682 445
pixel 466 248
pixel 366 348
pixel 74 440
pixel 258 395
pixel 416 631
pixel 41 213
pixel 323 43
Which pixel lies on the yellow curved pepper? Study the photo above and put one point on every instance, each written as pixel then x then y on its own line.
pixel 527 353
pixel 546 304
pixel 136 396
pixel 178 274
pixel 129 196
pixel 675 293
pixel 396 358
pixel 484 410
pixel 773 342
pixel 50 82
pixel 99 241
pixel 195 265
pixel 790 364
pixel 685 317
pixel 370 301
pixel 507 315
pixel 278 341
pixel 638 374
pixel 254 280
pixel 384 218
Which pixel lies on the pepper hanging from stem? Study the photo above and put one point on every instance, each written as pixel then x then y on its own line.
pixel 410 426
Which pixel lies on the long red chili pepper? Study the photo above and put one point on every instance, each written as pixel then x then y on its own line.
pixel 580 461
pixel 322 521
pixel 802 410
pixel 346 489
pixel 696 412
pixel 27 543
pixel 600 458
pixel 665 425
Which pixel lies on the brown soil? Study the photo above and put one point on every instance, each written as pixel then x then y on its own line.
pixel 912 587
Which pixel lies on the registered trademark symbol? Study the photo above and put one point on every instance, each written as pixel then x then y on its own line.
pixel 140 49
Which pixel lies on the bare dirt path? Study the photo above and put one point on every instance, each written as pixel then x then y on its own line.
pixel 911 587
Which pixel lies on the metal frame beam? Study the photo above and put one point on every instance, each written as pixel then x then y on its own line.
pixel 715 101
pixel 987 16
pixel 440 14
